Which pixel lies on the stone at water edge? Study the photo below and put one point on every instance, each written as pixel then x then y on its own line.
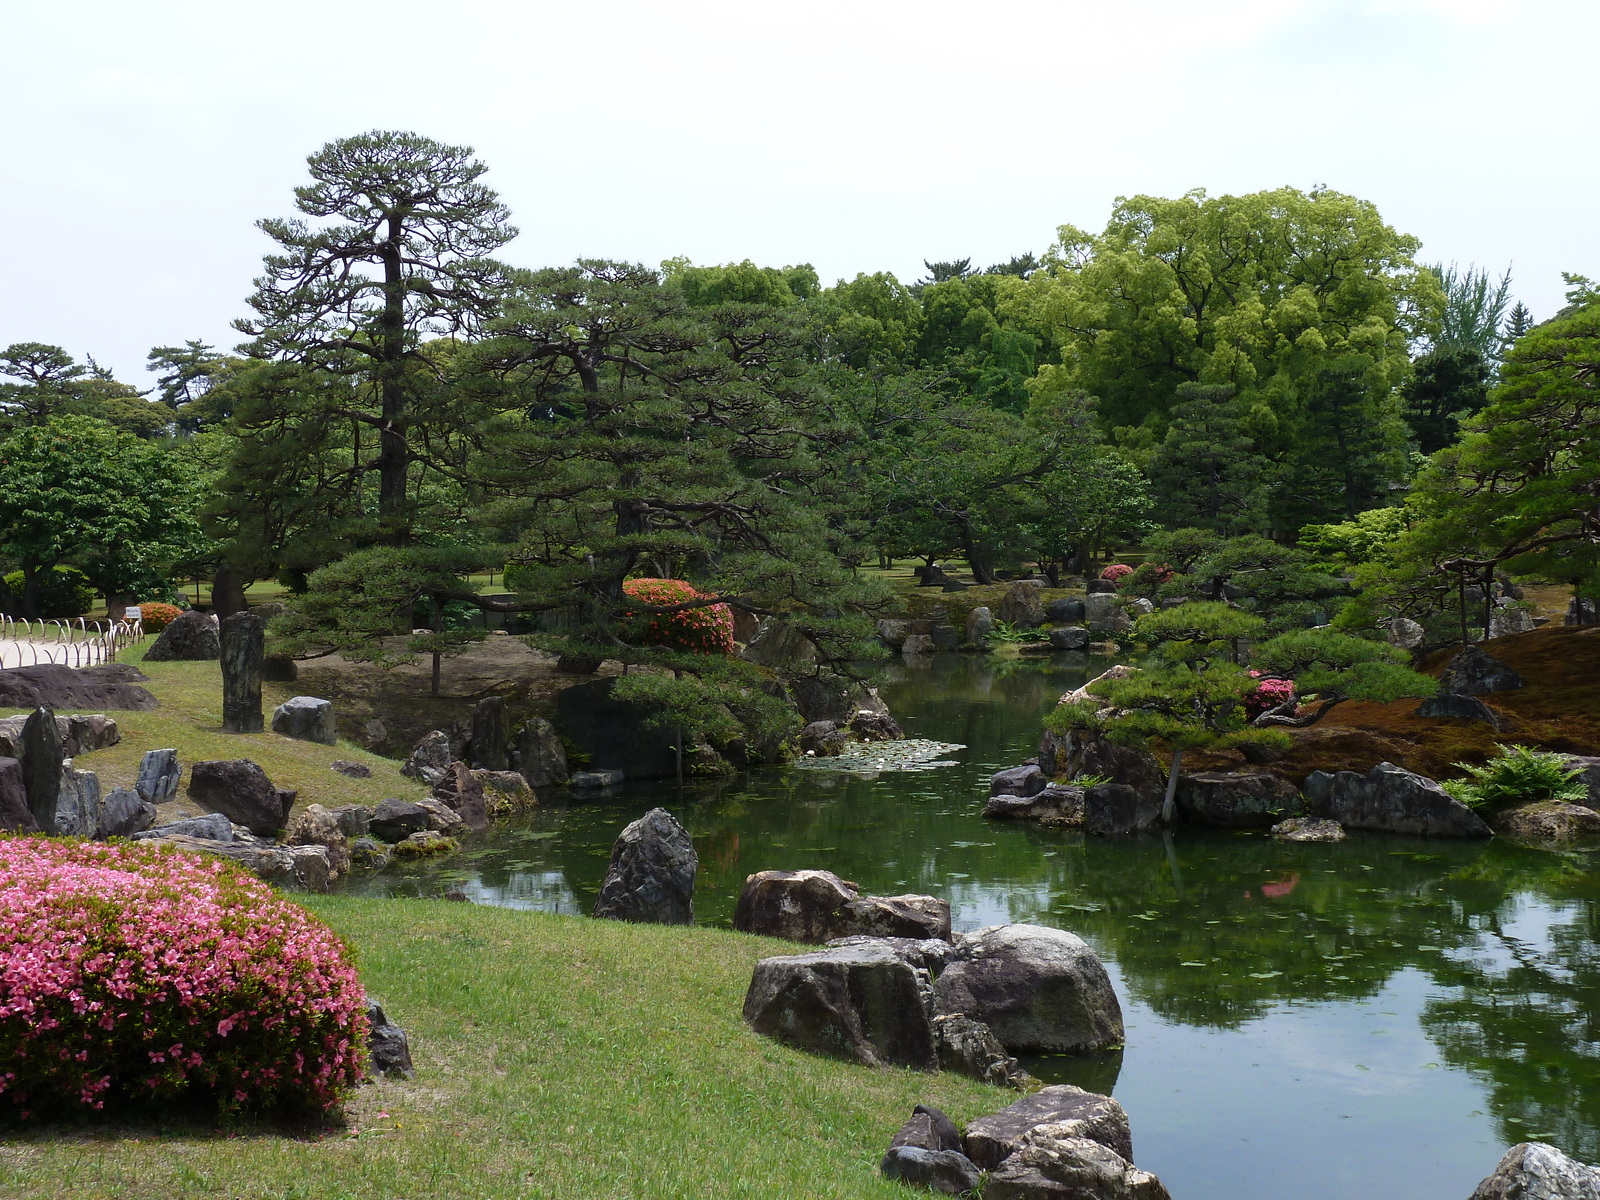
pixel 968 1047
pixel 778 644
pixel 980 624
pixel 1536 1171
pixel 505 792
pixel 388 1049
pixel 368 854
pixel 1551 821
pixel 1236 800
pixel 1036 988
pixel 442 818
pixel 305 866
pixel 15 815
pixel 948 1172
pixel 190 637
pixel 860 1003
pixel 1111 809
pixel 1046 1167
pixel 818 906
pixel 395 820
pixel 650 878
pixel 541 758
pixel 917 645
pixel 595 780
pixel 869 725
pixel 1069 637
pixel 1071 1111
pixel 1391 800
pixel 1588 769
pixel 306 719
pixel 462 792
pixel 41 754
pixel 823 737
pixel 429 758
pixel 240 789
pixel 159 775
pixel 1059 804
pixel 424 844
pixel 893 632
pixel 1308 829
pixel 316 825
pixel 1026 780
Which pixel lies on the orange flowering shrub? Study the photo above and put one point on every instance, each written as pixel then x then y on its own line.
pixel 157 616
pixel 706 630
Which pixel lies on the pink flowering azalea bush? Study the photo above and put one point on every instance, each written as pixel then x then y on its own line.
pixel 132 973
pixel 707 630
pixel 1269 693
pixel 1116 573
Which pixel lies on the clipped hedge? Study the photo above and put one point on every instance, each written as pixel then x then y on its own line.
pixel 707 630
pixel 131 974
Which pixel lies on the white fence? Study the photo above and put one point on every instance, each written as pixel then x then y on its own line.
pixel 71 643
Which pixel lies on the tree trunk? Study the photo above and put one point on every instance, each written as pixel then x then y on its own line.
pixel 393 452
pixel 1169 803
pixel 1461 599
pixel 438 632
pixel 30 590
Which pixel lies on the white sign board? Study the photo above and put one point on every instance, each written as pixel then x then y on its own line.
pixel 133 613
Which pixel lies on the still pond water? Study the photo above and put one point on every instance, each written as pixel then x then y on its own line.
pixel 1377 1018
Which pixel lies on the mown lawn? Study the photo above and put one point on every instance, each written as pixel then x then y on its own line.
pixel 556 1057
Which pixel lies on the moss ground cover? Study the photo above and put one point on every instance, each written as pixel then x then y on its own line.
pixel 556 1057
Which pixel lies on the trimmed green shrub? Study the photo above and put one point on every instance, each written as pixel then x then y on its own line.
pixel 63 592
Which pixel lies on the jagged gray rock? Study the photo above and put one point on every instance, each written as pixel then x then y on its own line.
pixel 159 775
pixel 78 803
pixel 124 813
pixel 650 878
pixel 818 906
pixel 491 735
pixel 1242 800
pixel 395 820
pixel 1308 829
pixel 213 827
pixel 969 1047
pixel 241 790
pixel 388 1048
pixel 541 758
pixel 41 753
pixel 1069 1110
pixel 1536 1171
pixel 1046 1167
pixel 429 758
pixel 15 815
pixel 190 637
pixel 948 1172
pixel 1026 780
pixel 1475 672
pixel 1391 800
pixel 306 719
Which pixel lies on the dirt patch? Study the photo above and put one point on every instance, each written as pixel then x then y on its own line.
pixel 1558 708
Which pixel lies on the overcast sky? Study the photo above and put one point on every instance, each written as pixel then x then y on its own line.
pixel 143 140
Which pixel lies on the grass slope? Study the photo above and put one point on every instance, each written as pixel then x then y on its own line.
pixel 557 1057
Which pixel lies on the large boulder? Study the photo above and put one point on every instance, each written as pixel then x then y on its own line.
pixel 396 820
pixel 240 790
pixel 1390 800
pixel 315 825
pixel 15 815
pixel 1111 809
pixel 1026 780
pixel 1070 637
pixel 650 878
pixel 244 637
pixel 1048 1167
pixel 1581 611
pixel 892 632
pixel 1535 1171
pixel 1036 988
pixel 1104 614
pixel 213 827
pixel 302 866
pixel 541 758
pixel 1588 769
pixel 1067 610
pixel 780 646
pixel 1458 707
pixel 1226 800
pixel 110 685
pixel 1508 617
pixel 306 719
pixel 1405 633
pixel 441 818
pixel 1076 753
pixel 460 790
pixel 1022 606
pixel 980 624
pixel 1550 821
pixel 817 906
pixel 1475 672
pixel 80 734
pixel 861 1003
pixel 430 758
pixel 615 734
pixel 124 813
pixel 190 637
pixel 505 792
pixel 159 775
pixel 869 725
pixel 42 755
pixel 1069 1110
pixel 1058 804
pixel 78 804
pixel 948 1172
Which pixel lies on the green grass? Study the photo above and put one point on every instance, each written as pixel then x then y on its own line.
pixel 190 719
pixel 556 1057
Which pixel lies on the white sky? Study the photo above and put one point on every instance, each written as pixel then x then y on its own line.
pixel 142 140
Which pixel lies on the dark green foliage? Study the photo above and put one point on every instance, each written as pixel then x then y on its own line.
pixel 1206 472
pixel 1449 384
pixel 1518 775
pixel 1347 449
pixel 63 592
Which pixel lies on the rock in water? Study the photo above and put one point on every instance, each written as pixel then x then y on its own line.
pixel 541 758
pixel 461 791
pixel 244 640
pixel 41 753
pixel 1535 1171
pixel 1551 821
pixel 15 815
pixel 970 1048
pixel 1475 672
pixel 240 790
pixel 1226 800
pixel 650 879
pixel 861 1003
pixel 159 773
pixel 388 1050
pixel 817 906
pixel 1391 800
pixel 1115 808
pixel 1036 988
pixel 491 735
pixel 190 637
pixel 948 1172
pixel 1069 637
pixel 306 719
pixel 430 758
pixel 1308 829
pixel 1026 780
pixel 1047 1167
pixel 980 624
pixel 1070 1111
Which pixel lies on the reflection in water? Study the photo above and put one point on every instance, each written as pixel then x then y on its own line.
pixel 1432 1001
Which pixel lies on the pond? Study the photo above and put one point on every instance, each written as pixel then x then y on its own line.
pixel 1380 1017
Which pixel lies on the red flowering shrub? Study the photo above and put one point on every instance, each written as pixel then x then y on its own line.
pixel 707 630
pixel 1116 573
pixel 134 973
pixel 1269 693
pixel 157 616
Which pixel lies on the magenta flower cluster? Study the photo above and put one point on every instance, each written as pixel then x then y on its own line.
pixel 1269 693
pixel 132 973
pixel 1117 573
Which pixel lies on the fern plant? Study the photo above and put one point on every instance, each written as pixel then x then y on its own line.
pixel 1004 631
pixel 1517 775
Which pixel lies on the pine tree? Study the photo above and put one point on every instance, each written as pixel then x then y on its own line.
pixel 1206 472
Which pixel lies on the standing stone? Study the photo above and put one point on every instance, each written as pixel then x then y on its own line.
pixel 651 875
pixel 78 803
pixel 980 624
pixel 491 735
pixel 541 758
pixel 388 1052
pixel 306 719
pixel 41 753
pixel 1022 605
pixel 461 792
pixel 159 772
pixel 430 758
pixel 189 637
pixel 244 641
pixel 15 815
